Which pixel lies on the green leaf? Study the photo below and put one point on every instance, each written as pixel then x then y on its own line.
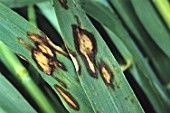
pixel 163 7
pixel 153 24
pixel 11 100
pixel 49 13
pixel 19 3
pixel 155 54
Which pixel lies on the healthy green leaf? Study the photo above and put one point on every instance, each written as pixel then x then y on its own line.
pixel 163 7
pixel 153 24
pixel 11 100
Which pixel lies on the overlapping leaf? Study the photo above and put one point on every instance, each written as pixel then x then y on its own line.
pixel 110 20
pixel 153 24
pixel 14 32
pixel 19 3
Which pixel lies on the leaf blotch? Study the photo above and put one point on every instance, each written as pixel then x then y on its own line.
pixel 68 98
pixel 47 65
pixel 86 46
pixel 106 73
pixel 44 52
pixel 63 3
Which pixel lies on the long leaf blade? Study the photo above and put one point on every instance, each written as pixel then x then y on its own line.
pixel 78 18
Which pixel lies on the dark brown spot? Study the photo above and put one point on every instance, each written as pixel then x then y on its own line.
pixel 85 45
pixel 77 79
pixel 63 3
pixel 23 58
pixel 106 73
pixel 75 60
pixel 126 98
pixel 24 43
pixel 61 65
pixel 68 98
pixel 98 111
pixel 132 100
pixel 78 21
pixel 60 82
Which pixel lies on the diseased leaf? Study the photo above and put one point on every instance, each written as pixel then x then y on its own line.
pixel 90 48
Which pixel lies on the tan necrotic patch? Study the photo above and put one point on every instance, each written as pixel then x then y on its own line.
pixel 68 98
pixel 74 59
pixel 85 44
pixel 106 73
pixel 44 63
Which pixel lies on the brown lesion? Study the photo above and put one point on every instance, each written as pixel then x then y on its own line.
pixel 43 53
pixel 68 98
pixel 106 73
pixel 60 82
pixel 63 3
pixel 132 100
pixel 78 21
pixel 23 58
pixel 85 44
pixel 23 42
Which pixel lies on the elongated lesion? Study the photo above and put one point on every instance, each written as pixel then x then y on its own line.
pixel 63 3
pixel 106 73
pixel 67 97
pixel 85 44
pixel 74 59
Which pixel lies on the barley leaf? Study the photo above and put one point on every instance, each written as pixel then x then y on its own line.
pixel 81 37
